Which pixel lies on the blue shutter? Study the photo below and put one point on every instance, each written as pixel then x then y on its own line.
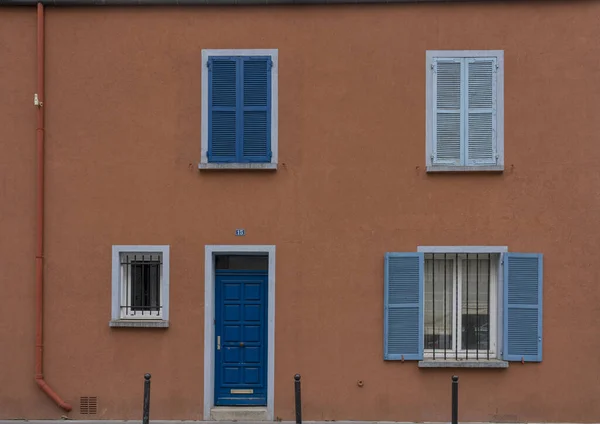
pixel 403 306
pixel 523 307
pixel 256 109
pixel 448 131
pixel 222 109
pixel 481 111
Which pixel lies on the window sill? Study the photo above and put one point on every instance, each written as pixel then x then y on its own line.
pixel 465 363
pixel 449 168
pixel 204 166
pixel 145 323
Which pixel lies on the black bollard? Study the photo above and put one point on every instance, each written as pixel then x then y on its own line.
pixel 454 399
pixel 298 399
pixel 146 416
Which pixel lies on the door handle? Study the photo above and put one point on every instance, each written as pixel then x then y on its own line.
pixel 218 342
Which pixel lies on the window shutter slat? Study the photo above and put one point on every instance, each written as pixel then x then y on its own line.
pixel 403 304
pixel 447 98
pixel 481 104
pixel 523 278
pixel 256 146
pixel 222 134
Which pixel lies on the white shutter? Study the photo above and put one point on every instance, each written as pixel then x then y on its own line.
pixel 481 112
pixel 447 116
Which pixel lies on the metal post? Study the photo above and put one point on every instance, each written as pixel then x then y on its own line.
pixel 298 399
pixel 146 417
pixel 454 399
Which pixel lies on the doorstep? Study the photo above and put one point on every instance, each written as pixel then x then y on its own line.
pixel 238 413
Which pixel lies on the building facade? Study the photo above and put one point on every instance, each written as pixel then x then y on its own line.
pixel 377 197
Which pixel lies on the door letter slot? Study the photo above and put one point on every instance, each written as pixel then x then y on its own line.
pixel 242 391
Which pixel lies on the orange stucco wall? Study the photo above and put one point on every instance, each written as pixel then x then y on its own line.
pixel 123 142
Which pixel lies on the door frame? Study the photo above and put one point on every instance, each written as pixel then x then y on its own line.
pixel 209 324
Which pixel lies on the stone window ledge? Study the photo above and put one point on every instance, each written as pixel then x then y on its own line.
pixel 239 166
pixel 465 363
pixel 139 323
pixel 452 168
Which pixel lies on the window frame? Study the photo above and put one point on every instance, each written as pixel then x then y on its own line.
pixel 204 162
pixel 431 56
pixel 126 286
pixel 494 323
pixel 499 293
pixel 119 288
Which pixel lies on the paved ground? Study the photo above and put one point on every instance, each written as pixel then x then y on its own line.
pixel 217 422
pixel 197 422
pixel 202 422
pixel 68 421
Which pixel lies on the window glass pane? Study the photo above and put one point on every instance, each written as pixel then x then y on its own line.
pixel 438 303
pixel 142 276
pixel 137 286
pixel 154 286
pixel 242 262
pixel 475 318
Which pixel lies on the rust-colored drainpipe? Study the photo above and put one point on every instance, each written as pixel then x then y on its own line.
pixel 39 254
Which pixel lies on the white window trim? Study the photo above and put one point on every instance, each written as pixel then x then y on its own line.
pixel 204 163
pixel 499 277
pixel 117 319
pixel 430 56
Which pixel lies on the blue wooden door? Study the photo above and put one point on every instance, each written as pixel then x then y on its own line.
pixel 241 338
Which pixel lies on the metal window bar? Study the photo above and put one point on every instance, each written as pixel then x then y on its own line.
pixel 477 307
pixel 456 318
pixel 488 302
pixel 433 303
pixel 127 291
pixel 445 289
pixel 141 280
pixel 470 321
pixel 467 326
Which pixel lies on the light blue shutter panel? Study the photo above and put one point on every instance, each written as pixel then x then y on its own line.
pixel 222 107
pixel 256 127
pixel 481 116
pixel 523 307
pixel 448 131
pixel 403 306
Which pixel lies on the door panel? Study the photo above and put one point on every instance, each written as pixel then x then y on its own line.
pixel 241 327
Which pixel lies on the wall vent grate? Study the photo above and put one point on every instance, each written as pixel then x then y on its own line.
pixel 88 405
